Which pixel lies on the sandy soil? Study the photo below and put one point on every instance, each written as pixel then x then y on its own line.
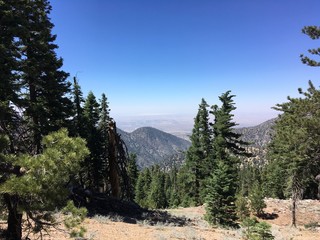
pixel 104 227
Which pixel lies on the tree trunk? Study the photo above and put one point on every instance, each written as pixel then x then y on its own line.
pixel 297 193
pixel 14 229
pixel 113 155
pixel 293 211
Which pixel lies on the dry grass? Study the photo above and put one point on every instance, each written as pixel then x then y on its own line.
pixel 188 223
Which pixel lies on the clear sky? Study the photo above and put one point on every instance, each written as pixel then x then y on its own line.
pixel 160 57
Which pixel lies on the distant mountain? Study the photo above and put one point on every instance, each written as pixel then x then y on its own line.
pixel 258 136
pixel 152 145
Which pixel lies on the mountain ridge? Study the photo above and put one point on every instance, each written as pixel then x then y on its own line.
pixel 153 146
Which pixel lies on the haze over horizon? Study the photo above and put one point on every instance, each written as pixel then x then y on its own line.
pixel 155 60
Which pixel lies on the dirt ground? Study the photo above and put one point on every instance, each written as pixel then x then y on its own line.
pixel 115 228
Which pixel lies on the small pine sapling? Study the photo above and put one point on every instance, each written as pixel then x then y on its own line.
pixel 256 198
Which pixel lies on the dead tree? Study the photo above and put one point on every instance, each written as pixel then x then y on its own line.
pixel 113 156
pixel 118 158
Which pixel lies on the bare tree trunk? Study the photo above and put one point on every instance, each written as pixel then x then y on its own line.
pixel 113 165
pixel 293 211
pixel 297 193
pixel 14 230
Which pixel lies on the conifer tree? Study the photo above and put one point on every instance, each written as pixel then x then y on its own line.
pixel 40 185
pixel 143 187
pixel 156 194
pixel 249 173
pixel 314 33
pixel 185 189
pixel 227 147
pixel 92 165
pixel 256 198
pixel 103 128
pixel 294 149
pixel 30 66
pixel 9 65
pixel 198 161
pixel 133 171
pixel 274 178
pixel 242 206
pixel 296 143
pixel 47 104
pixel 78 119
pixel 172 188
pixel 220 201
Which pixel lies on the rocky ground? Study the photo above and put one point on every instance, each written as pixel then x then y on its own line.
pixel 188 223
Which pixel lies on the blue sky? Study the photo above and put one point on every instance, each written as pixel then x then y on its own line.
pixel 160 57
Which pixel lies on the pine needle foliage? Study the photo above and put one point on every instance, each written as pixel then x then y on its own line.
pixel 295 146
pixel 198 162
pixel 254 230
pixel 227 148
pixel 43 184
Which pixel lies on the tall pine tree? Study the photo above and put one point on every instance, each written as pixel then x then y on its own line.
pixel 30 67
pixel 78 118
pixel 92 166
pixel 295 146
pixel 198 161
pixel 103 127
pixel 227 147
pixel 47 104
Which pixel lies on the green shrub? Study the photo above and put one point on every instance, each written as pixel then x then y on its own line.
pixel 254 230
pixel 242 207
pixel 74 217
pixel 256 198
pixel 311 225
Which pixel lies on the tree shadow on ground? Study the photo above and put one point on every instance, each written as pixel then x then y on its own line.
pixel 129 212
pixel 269 216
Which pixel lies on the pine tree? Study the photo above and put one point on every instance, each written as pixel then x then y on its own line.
pixel 220 201
pixel 185 189
pixel 156 194
pixel 9 65
pixel 296 143
pixel 242 206
pixel 143 187
pixel 226 142
pixel 78 119
pixel 198 155
pixel 103 128
pixel 41 185
pixel 133 172
pixel 172 188
pixel 314 33
pixel 48 106
pixel 30 66
pixel 92 165
pixel 256 198
pixel 227 147
pixel 274 178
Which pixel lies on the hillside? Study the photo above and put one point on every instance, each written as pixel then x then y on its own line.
pixel 188 223
pixel 152 145
pixel 260 135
